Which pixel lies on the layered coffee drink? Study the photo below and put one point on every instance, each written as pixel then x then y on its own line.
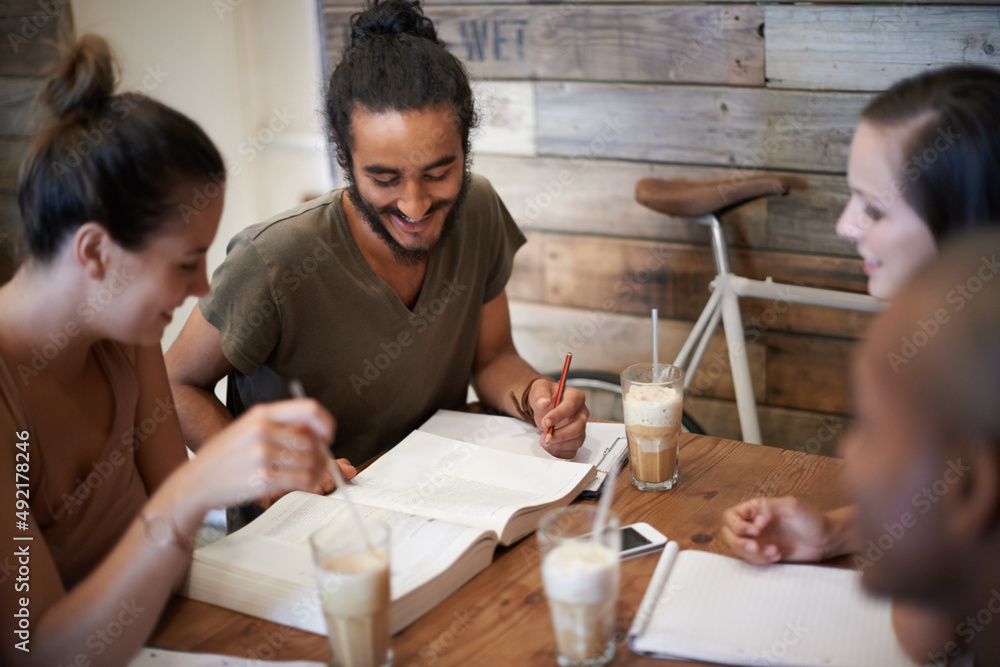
pixel 354 589
pixel 652 414
pixel 352 574
pixel 581 584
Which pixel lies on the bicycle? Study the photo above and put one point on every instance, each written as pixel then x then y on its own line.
pixel 706 201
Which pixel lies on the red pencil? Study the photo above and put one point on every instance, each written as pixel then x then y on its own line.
pixel 562 385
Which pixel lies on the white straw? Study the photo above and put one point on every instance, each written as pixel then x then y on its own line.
pixel 298 391
pixel 656 356
pixel 603 508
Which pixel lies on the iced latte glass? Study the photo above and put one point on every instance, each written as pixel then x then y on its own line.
pixel 353 582
pixel 581 584
pixel 652 405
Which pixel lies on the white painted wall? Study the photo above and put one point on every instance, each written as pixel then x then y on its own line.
pixel 248 71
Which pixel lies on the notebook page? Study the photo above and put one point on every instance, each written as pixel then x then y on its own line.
pixel 656 592
pixel 723 610
pixel 515 435
pixel 158 657
pixel 604 447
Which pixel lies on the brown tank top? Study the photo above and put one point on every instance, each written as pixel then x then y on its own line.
pixel 80 529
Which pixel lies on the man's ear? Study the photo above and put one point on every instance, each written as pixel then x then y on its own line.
pixel 973 496
pixel 93 249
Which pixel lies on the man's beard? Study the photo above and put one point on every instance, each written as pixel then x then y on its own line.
pixel 410 256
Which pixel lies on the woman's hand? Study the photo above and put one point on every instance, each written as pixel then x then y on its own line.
pixel 327 482
pixel 766 530
pixel 272 449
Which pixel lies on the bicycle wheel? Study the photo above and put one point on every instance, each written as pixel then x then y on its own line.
pixel 603 391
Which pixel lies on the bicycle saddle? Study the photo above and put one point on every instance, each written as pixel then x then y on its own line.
pixel 690 199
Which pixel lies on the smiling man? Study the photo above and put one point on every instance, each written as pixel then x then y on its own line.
pixel 385 298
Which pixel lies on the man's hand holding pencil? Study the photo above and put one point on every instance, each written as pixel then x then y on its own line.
pixel 561 412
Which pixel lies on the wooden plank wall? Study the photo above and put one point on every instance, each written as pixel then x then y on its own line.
pixel 28 33
pixel 581 99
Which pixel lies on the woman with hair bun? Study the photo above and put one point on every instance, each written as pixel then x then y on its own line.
pixel 94 462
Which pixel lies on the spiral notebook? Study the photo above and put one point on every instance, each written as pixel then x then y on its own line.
pixel 703 606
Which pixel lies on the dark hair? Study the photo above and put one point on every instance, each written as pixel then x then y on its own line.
pixel 119 160
pixel 395 61
pixel 952 157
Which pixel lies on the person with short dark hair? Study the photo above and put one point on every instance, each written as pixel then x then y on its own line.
pixel 94 470
pixel 923 169
pixel 385 298
pixel 923 454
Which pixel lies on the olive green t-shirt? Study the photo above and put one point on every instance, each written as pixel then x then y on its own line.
pixel 295 298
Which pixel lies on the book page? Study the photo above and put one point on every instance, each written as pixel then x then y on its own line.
pixel 294 517
pixel 457 481
pixel 604 448
pixel 720 609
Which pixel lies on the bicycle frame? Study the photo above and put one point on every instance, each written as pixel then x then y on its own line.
pixel 727 288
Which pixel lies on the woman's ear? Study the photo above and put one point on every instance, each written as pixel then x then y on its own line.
pixel 973 496
pixel 92 249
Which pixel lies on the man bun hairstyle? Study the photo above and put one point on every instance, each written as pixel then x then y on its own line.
pixel 124 161
pixel 392 18
pixel 951 160
pixel 395 62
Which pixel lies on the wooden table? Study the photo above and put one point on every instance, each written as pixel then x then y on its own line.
pixel 501 617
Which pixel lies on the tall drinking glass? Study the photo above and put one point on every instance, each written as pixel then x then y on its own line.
pixel 652 406
pixel 581 583
pixel 353 580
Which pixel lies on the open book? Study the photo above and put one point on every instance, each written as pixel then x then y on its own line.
pixel 703 606
pixel 605 447
pixel 447 504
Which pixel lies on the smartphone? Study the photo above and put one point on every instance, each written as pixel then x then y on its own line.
pixel 639 539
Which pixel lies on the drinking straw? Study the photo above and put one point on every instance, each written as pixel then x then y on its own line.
pixel 603 508
pixel 655 341
pixel 298 391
